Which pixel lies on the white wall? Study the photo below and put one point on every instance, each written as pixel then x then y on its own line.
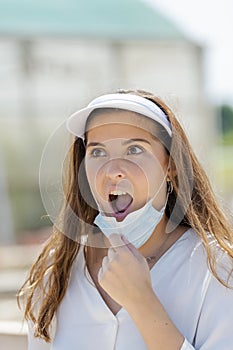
pixel 60 76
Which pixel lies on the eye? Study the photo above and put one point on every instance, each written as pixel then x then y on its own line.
pixel 135 150
pixel 98 152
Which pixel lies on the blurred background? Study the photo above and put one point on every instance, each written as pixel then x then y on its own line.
pixel 55 56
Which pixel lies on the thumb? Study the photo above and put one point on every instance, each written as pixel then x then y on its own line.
pixel 130 246
pixel 115 240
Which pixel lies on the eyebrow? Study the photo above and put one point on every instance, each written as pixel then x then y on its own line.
pixel 93 144
pixel 136 140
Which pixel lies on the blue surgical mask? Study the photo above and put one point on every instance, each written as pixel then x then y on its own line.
pixel 137 226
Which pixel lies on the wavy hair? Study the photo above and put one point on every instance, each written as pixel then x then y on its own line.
pixel 194 206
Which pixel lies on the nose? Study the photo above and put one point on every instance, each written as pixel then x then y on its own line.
pixel 114 169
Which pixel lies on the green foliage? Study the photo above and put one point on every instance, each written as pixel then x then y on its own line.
pixel 227 138
pixel 224 168
pixel 28 211
pixel 21 152
pixel 226 115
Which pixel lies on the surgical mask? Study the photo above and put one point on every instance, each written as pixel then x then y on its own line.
pixel 137 226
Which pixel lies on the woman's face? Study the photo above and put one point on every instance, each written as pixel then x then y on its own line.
pixel 125 165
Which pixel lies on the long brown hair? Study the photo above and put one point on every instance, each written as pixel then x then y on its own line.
pixel 195 204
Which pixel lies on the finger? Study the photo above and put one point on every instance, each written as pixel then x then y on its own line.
pixel 111 254
pixel 116 241
pixel 130 246
pixel 105 263
pixel 100 274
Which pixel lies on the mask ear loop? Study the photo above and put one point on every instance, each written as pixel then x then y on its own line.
pixel 169 184
pixel 164 178
pixel 169 187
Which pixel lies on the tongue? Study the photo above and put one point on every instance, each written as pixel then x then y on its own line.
pixel 122 202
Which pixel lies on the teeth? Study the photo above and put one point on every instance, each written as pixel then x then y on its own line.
pixel 117 193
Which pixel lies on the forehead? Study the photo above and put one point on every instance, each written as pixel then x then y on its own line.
pixel 119 123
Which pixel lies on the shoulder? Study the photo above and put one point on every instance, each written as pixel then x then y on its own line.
pixel 199 255
pixel 190 255
pixel 190 247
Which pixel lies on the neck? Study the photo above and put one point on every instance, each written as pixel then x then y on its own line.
pixel 156 239
pixel 98 243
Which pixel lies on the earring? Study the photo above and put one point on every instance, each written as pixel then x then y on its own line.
pixel 169 187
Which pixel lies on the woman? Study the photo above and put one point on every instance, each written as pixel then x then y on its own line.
pixel 158 249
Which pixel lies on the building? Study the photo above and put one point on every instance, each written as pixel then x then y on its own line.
pixel 55 56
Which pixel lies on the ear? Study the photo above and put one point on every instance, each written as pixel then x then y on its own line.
pixel 171 170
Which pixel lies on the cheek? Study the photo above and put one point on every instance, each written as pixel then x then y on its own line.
pixel 94 176
pixel 154 172
pixel 90 172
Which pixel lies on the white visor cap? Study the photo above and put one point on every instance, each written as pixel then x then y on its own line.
pixel 76 123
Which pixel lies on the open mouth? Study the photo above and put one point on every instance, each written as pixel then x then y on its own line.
pixel 120 201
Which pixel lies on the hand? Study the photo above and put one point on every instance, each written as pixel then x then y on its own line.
pixel 125 274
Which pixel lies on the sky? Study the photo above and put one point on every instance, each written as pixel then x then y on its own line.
pixel 209 23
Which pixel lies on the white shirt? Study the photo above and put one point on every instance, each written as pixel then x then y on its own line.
pixel 200 307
